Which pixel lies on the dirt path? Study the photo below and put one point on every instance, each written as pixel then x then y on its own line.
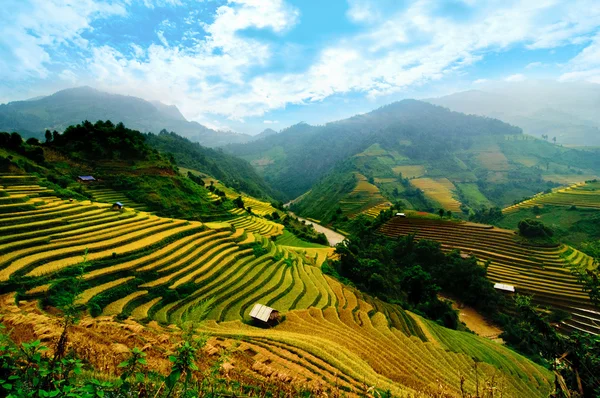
pixel 476 322
pixel 332 237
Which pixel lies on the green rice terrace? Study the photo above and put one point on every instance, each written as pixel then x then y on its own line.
pixel 155 269
pixel 543 272
pixel 585 195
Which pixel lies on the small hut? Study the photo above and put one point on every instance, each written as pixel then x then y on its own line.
pixel 264 314
pixel 400 215
pixel 85 179
pixel 118 206
pixel 504 288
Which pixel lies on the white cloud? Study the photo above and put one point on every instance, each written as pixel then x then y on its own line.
pixel 31 27
pixel 362 11
pixel 586 64
pixel 199 78
pixel 161 37
pixel 533 65
pixel 224 72
pixel 270 121
pixel 517 77
pixel 480 81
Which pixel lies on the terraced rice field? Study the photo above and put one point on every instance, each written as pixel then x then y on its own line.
pixel 255 224
pixel 364 196
pixel 356 344
pixel 440 190
pixel 583 195
pixel 543 272
pixel 152 268
pixel 107 195
pixel 493 160
pixel 375 210
pixel 410 171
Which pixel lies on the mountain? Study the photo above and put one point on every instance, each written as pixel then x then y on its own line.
pixel 264 134
pixel 424 156
pixel 230 170
pixel 68 107
pixel 293 160
pixel 567 111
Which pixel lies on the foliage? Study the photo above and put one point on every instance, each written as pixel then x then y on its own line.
pixel 486 216
pixel 575 358
pixel 412 272
pixel 304 231
pixel 530 228
pixel 102 140
pixel 231 171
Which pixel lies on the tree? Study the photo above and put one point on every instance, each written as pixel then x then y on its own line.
pixel 529 228
pixel 15 141
pixel 449 213
pixel 554 139
pixel 239 202
pixel 48 136
pixel 441 213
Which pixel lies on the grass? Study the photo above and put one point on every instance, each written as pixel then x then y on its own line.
pixel 472 196
pixel 289 239
pixel 410 171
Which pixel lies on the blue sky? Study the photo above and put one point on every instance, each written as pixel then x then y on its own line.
pixel 246 65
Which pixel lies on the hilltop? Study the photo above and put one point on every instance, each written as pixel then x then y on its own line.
pixel 72 106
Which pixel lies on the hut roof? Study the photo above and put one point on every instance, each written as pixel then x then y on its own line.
pixel 87 178
pixel 502 286
pixel 261 312
pixel 119 204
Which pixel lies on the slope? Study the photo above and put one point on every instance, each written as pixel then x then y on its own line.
pixel 233 172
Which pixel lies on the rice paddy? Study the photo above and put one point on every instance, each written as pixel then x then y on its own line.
pixel 440 190
pixel 584 195
pixel 364 196
pixel 410 171
pixel 543 272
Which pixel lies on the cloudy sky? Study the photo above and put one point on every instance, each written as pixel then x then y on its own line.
pixel 247 65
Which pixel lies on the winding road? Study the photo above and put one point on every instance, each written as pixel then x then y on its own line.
pixel 332 237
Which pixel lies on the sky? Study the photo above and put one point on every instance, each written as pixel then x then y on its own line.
pixel 247 65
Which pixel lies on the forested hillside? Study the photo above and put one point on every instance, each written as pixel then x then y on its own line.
pixel 232 171
pixel 118 158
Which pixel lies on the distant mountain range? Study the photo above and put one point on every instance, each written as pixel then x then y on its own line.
pixel 568 111
pixel 72 106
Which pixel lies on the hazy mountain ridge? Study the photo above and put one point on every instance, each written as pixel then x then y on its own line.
pixel 567 111
pixel 72 106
